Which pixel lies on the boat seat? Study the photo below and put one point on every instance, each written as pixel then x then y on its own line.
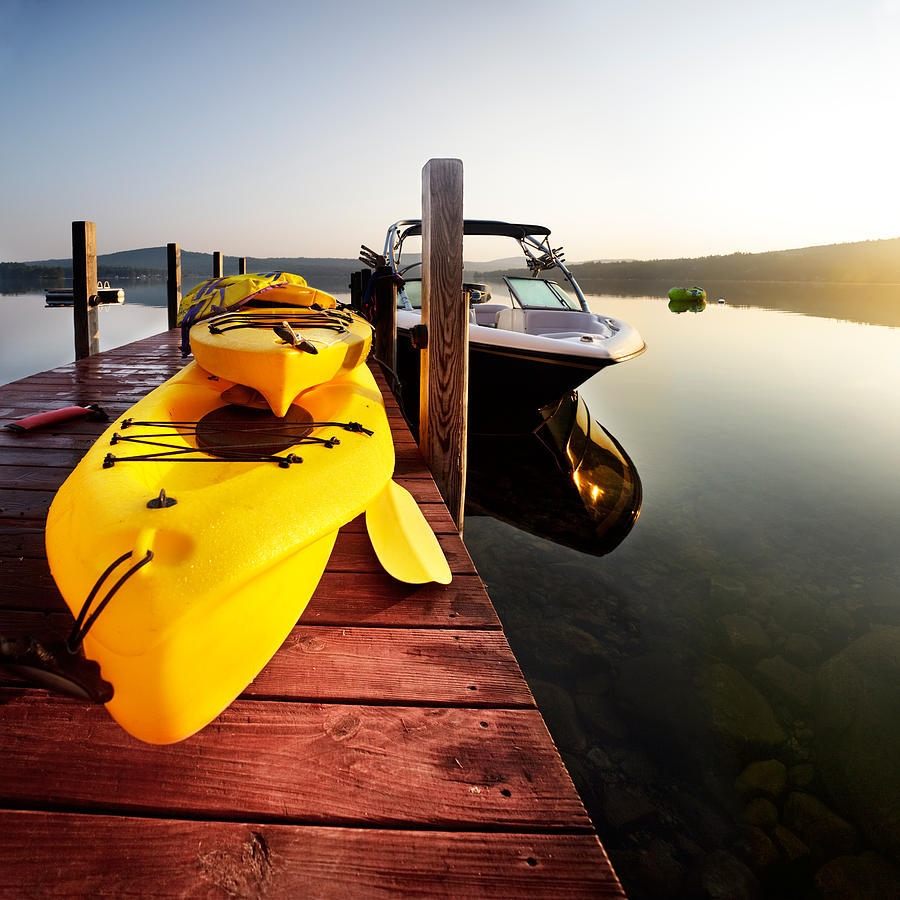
pixel 511 320
pixel 486 313
pixel 550 322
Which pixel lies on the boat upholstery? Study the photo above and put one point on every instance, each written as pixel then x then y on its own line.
pixel 550 322
pixel 486 313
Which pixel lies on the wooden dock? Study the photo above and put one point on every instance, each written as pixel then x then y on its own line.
pixel 390 748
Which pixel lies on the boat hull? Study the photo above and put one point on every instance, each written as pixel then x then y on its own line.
pixel 507 385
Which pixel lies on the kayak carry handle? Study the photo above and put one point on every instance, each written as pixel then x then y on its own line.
pixel 289 336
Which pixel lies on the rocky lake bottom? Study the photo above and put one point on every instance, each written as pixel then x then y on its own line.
pixel 724 686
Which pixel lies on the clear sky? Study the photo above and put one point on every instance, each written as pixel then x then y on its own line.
pixel 633 129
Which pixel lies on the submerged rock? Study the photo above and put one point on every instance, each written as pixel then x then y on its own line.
pixel 658 697
pixel 564 648
pixel 721 876
pixel 738 711
pixel 802 650
pixel 727 594
pixel 765 777
pixel 865 877
pixel 744 637
pixel 761 812
pixel 558 709
pixel 785 681
pixel 857 724
pixel 789 844
pixel 822 830
pixel 757 848
pixel 625 808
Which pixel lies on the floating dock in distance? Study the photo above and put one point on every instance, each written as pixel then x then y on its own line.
pixel 66 296
pixel 391 746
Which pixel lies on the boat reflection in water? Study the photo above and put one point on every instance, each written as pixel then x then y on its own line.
pixel 570 481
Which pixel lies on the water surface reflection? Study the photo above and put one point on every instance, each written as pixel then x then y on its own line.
pixel 724 685
pixel 569 481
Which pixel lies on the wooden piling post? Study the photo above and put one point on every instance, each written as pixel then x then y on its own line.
pixel 359 281
pixel 386 318
pixel 443 403
pixel 84 285
pixel 242 265
pixel 218 264
pixel 174 283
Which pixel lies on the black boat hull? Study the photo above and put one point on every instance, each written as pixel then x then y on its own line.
pixel 507 386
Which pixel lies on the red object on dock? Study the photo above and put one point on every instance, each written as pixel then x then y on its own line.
pixel 54 416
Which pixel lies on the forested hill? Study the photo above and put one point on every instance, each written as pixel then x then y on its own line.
pixel 154 259
pixel 865 262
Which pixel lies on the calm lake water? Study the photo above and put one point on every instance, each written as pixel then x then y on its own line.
pixel 725 684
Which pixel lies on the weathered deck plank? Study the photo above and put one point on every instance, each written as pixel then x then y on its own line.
pixel 69 854
pixel 391 746
pixel 314 763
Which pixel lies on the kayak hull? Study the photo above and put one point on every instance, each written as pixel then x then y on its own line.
pixel 181 684
pixel 236 545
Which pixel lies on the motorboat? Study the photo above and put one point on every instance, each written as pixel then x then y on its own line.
pixel 531 347
pixel 570 481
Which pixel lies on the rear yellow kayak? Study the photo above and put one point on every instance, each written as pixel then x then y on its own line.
pixel 281 351
pixel 189 539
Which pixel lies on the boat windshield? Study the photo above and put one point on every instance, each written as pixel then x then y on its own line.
pixel 535 293
pixel 413 290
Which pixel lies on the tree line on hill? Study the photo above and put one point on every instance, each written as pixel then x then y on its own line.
pixel 21 277
pixel 863 262
pixel 151 264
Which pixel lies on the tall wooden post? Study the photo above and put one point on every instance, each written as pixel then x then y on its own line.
pixel 242 265
pixel 218 264
pixel 174 283
pixel 386 318
pixel 84 284
pixel 443 403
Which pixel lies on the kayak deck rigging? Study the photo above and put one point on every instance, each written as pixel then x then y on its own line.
pixel 230 433
pixel 332 320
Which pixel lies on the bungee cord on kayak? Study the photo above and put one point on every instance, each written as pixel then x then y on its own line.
pixel 84 622
pixel 282 434
pixel 231 321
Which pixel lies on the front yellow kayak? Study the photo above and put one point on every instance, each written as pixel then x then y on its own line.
pixel 189 539
pixel 281 351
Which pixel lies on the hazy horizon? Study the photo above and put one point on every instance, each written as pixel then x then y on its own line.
pixel 470 258
pixel 643 131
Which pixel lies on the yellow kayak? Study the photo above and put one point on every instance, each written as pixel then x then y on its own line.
pixel 281 351
pixel 189 539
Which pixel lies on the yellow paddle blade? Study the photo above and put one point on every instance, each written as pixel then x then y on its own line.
pixel 403 541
